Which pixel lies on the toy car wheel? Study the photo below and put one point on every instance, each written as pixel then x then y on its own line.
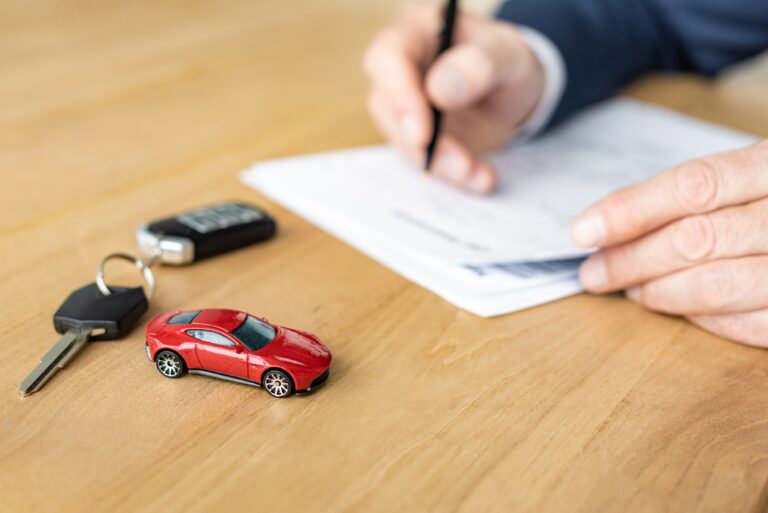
pixel 278 383
pixel 170 364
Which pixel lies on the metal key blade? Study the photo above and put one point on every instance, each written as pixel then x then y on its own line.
pixel 56 358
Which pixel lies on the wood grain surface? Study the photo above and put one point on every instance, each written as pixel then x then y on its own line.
pixel 115 113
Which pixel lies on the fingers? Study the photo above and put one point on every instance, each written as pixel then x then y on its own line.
pixel 393 62
pixel 696 187
pixel 470 71
pixel 389 124
pixel 455 163
pixel 489 78
pixel 730 232
pixel 746 327
pixel 453 160
pixel 723 286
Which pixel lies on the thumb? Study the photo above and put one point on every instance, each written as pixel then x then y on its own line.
pixel 466 73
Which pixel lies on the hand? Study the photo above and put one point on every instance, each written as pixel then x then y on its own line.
pixel 692 241
pixel 487 84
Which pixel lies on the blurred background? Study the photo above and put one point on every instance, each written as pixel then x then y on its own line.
pixel 96 87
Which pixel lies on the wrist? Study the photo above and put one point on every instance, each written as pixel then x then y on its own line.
pixel 548 76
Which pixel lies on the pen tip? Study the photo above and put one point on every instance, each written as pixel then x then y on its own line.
pixel 427 164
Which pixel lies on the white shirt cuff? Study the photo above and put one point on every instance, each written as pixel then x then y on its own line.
pixel 554 81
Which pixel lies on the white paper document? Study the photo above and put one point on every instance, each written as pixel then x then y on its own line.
pixel 507 251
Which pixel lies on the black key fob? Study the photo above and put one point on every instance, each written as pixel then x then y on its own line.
pixel 204 232
pixel 114 315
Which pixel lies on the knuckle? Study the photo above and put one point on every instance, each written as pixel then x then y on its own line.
pixel 382 44
pixel 649 296
pixel 377 109
pixel 738 328
pixel 694 238
pixel 511 57
pixel 476 66
pixel 696 185
pixel 616 211
pixel 370 58
pixel 619 267
pixel 386 37
pixel 617 199
pixel 717 288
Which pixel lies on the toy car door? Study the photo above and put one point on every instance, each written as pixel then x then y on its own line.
pixel 219 353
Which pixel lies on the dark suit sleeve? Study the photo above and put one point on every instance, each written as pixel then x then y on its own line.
pixel 607 43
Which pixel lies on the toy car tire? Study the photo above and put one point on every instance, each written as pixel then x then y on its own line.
pixel 277 383
pixel 170 364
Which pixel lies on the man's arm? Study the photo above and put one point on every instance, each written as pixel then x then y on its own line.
pixel 607 43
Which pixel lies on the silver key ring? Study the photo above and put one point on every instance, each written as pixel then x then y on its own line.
pixel 142 266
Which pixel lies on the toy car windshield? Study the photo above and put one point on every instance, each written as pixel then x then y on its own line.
pixel 183 318
pixel 254 334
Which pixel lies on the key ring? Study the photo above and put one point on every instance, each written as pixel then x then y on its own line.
pixel 142 266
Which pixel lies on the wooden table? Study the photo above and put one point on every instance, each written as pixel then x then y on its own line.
pixel 113 113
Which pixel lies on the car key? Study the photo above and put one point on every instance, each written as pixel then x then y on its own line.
pixel 204 232
pixel 87 314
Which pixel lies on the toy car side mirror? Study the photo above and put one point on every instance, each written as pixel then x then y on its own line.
pixel 238 348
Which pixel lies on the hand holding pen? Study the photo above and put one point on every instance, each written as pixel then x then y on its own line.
pixel 446 40
pixel 485 84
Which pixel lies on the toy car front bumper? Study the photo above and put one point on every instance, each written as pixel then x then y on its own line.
pixel 318 381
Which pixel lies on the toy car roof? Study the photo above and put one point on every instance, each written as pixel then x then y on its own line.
pixel 220 318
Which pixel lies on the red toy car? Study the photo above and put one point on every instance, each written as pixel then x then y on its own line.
pixel 238 347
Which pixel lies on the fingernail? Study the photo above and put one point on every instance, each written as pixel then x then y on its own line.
pixel 480 182
pixel 593 274
pixel 409 126
pixel 452 167
pixel 452 86
pixel 589 230
pixel 633 294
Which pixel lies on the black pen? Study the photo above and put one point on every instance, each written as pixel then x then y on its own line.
pixel 446 37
